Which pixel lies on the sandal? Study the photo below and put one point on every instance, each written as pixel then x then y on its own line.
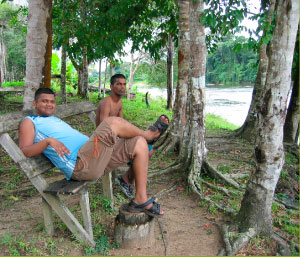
pixel 159 125
pixel 154 211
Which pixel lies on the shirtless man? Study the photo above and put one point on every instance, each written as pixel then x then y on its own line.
pixel 112 106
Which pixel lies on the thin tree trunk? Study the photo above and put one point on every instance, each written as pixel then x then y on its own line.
pixel 249 128
pixel 170 73
pixel 291 125
pixel 36 48
pixel 256 205
pixel 85 77
pixel 134 65
pixel 3 59
pixel 63 74
pixel 99 82
pixel 48 55
pixel 105 77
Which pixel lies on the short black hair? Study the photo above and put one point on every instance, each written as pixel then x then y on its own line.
pixel 43 90
pixel 115 77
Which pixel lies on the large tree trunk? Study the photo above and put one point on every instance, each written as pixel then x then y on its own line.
pixel 170 73
pixel 249 128
pixel 256 205
pixel 291 125
pixel 39 13
pixel 173 137
pixel 63 74
pixel 193 141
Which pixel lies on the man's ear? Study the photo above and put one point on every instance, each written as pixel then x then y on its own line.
pixel 34 103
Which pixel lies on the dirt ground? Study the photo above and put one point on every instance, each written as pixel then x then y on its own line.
pixel 189 227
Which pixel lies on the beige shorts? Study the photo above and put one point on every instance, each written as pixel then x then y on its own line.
pixel 102 153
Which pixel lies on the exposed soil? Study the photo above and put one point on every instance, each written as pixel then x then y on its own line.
pixel 189 227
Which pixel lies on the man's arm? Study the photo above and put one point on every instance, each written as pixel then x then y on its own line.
pixel 26 141
pixel 121 111
pixel 103 111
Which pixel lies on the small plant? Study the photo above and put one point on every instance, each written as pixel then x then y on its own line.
pixel 103 246
pixel 224 168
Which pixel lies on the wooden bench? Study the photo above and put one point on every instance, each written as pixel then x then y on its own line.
pixel 35 167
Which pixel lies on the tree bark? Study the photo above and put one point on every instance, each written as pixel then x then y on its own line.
pixel 256 205
pixel 39 13
pixel 291 125
pixel 179 121
pixel 63 74
pixel 170 74
pixel 193 140
pixel 48 55
pixel 99 82
pixel 249 128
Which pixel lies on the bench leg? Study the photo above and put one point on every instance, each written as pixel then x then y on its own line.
pixel 107 187
pixel 85 210
pixel 48 217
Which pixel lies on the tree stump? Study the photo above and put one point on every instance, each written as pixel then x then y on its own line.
pixel 133 229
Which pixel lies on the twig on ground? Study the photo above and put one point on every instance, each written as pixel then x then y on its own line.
pixel 163 237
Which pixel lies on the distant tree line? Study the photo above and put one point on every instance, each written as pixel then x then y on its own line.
pixel 230 63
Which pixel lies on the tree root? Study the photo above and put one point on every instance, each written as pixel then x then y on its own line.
pixel 168 190
pixel 239 175
pixel 223 189
pixel 215 173
pixel 193 179
pixel 287 205
pixel 242 239
pixel 284 248
pixel 173 167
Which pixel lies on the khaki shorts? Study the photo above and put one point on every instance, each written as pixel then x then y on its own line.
pixel 102 153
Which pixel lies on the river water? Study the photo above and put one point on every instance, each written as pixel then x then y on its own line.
pixel 232 103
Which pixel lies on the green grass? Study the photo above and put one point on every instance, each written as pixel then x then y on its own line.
pixel 216 122
pixel 13 84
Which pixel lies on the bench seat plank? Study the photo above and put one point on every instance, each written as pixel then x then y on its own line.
pixel 65 187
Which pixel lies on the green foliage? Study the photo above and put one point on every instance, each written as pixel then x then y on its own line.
pixel 103 246
pixel 13 84
pixel 223 18
pixel 55 64
pixel 231 63
pixel 216 122
pixel 135 109
pixel 13 32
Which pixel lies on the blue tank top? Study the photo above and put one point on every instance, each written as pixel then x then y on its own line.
pixel 54 127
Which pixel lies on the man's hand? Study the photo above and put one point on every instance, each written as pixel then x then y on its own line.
pixel 58 146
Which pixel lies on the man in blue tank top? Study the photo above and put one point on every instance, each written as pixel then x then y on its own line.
pixel 83 158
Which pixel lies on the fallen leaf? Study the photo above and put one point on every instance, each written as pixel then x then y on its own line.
pixel 275 229
pixel 207 225
pixel 14 198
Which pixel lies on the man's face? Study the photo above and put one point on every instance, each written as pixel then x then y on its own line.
pixel 45 105
pixel 119 87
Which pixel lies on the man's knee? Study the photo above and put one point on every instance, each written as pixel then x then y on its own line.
pixel 141 145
